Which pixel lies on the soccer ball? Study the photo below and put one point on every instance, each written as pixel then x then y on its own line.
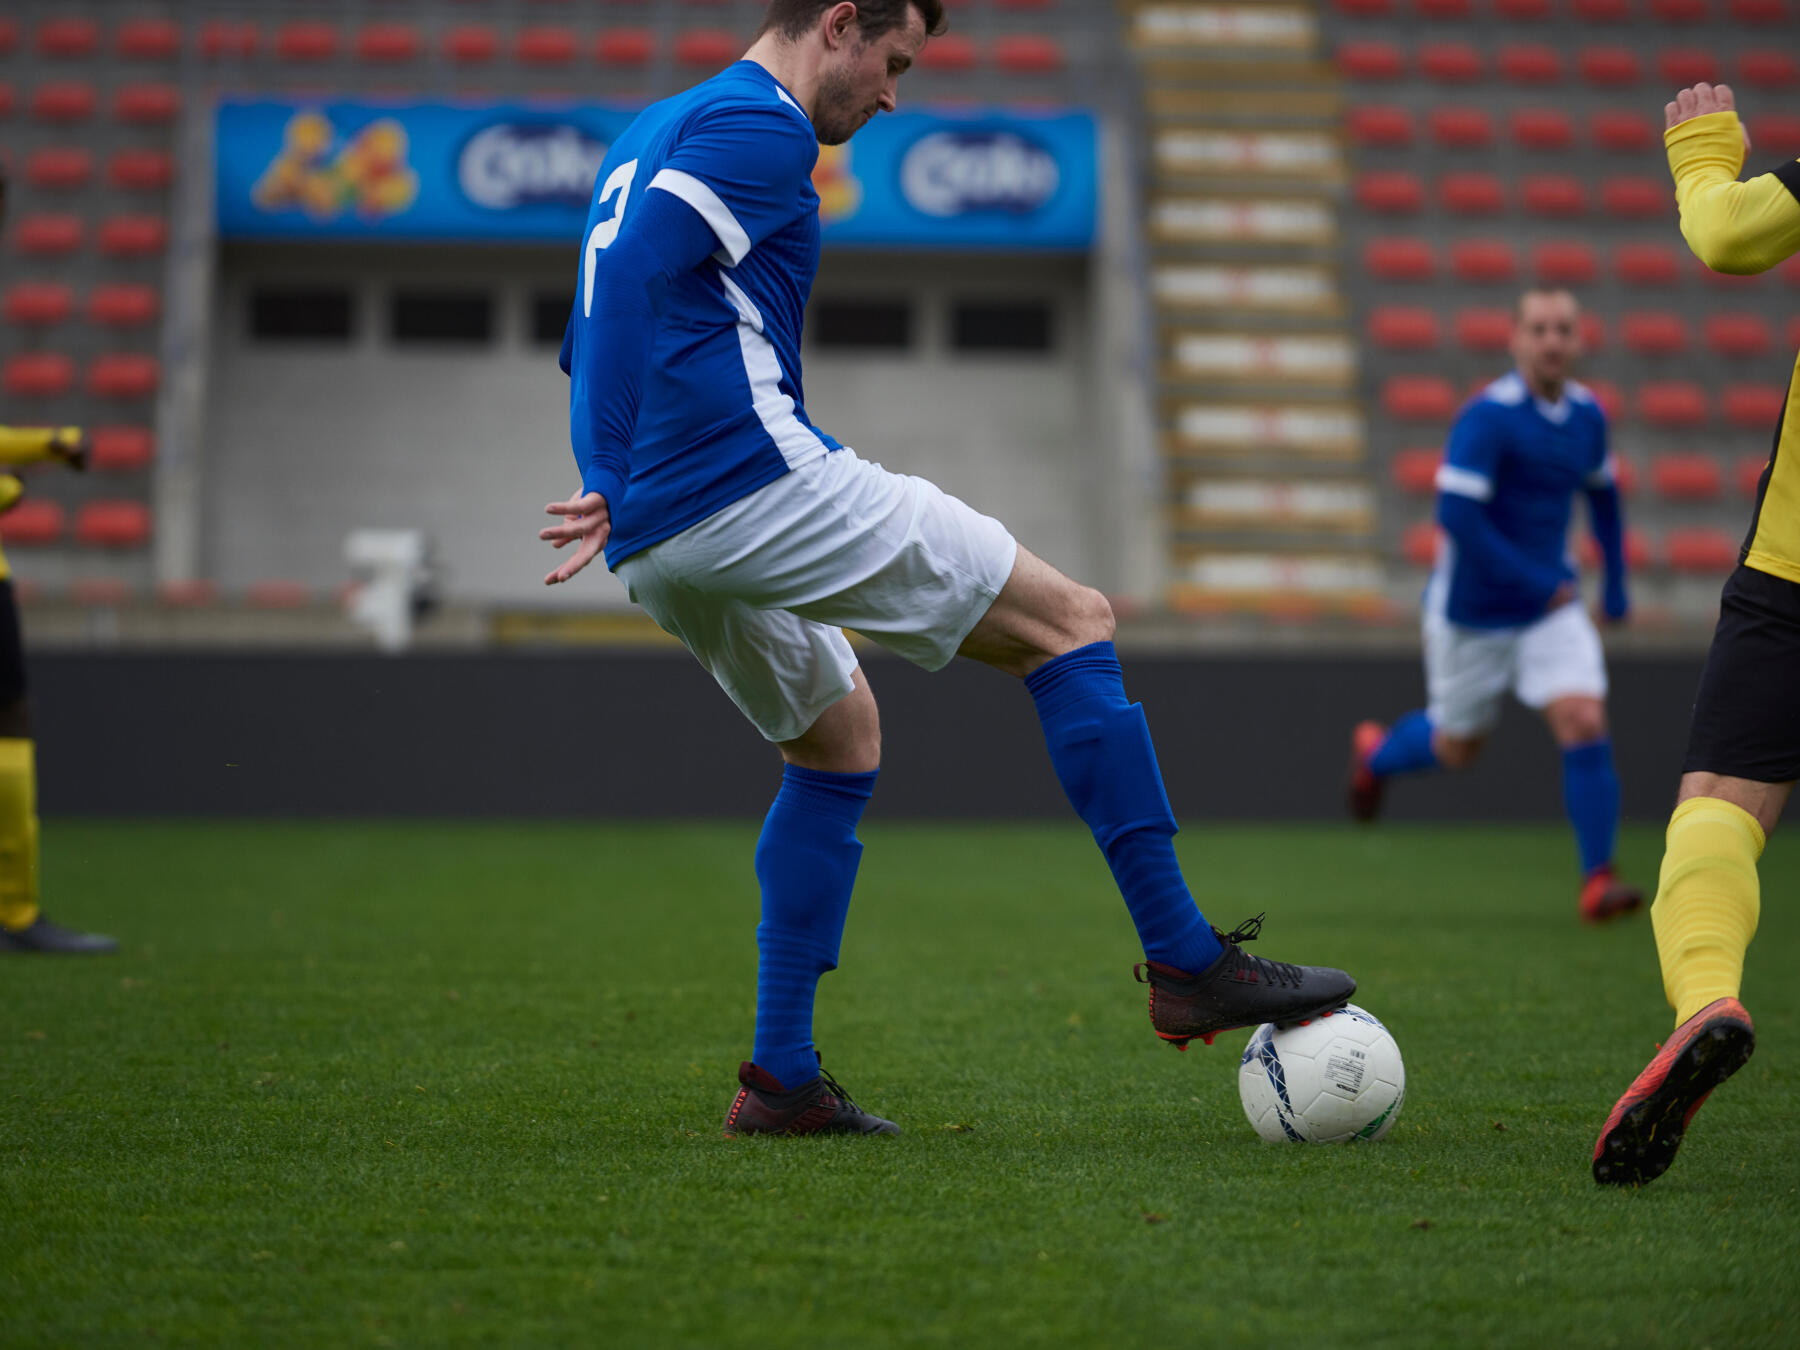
pixel 1330 1080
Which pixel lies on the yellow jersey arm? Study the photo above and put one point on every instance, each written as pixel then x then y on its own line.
pixel 1731 226
pixel 31 445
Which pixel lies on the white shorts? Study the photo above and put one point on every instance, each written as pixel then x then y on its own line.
pixel 760 590
pixel 1468 671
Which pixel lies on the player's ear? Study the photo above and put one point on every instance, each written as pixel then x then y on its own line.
pixel 839 20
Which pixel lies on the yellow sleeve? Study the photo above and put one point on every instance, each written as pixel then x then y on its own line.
pixel 30 445
pixel 1731 226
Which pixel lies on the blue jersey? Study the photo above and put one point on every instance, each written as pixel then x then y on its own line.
pixel 722 411
pixel 1522 460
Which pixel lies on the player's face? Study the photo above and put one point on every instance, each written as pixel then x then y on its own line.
pixel 1547 338
pixel 864 79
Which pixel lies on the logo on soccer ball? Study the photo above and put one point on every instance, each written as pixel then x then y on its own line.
pixel 956 173
pixel 513 164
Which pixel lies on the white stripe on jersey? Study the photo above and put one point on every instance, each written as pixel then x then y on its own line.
pixel 1464 482
pixel 1605 475
pixel 713 211
pixel 797 442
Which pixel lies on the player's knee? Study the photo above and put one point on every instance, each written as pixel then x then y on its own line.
pixel 1457 752
pixel 1091 618
pixel 1581 723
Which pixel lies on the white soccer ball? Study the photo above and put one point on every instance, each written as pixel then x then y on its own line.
pixel 1330 1080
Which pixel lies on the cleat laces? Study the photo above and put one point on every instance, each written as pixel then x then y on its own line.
pixel 1272 972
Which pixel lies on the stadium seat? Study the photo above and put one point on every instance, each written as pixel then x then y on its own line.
pixel 1654 333
pixel 6 99
pixel 38 304
pixel 1646 264
pixel 1754 407
pixel 1390 192
pixel 952 51
pixel 1027 53
pixel 146 104
pixel 1483 260
pixel 123 375
pixel 1768 69
pixel 1672 404
pixel 1625 474
pixel 1523 11
pixel 1471 194
pixel 112 524
pixel 38 374
pixel 1593 331
pixel 1529 63
pixel 1775 133
pixel 1542 129
pixel 544 45
pixel 68 39
pixel 1789 271
pixel 1418 398
pixel 470 44
pixel 48 236
pixel 133 236
pixel 1450 62
pixel 1682 66
pixel 1622 131
pixel 1563 262
pixel 140 170
pixel 278 595
pixel 120 449
pixel 1419 543
pixel 197 593
pixel 1552 194
pixel 1700 550
pixel 1403 328
pixel 59 168
pixel 387 43
pixel 123 305
pixel 101 592
pixel 9 35
pixel 63 101
pixel 1608 67
pixel 148 39
pixel 1637 550
pixel 1738 334
pixel 1398 259
pixel 33 522
pixel 1369 124
pixel 1364 9
pixel 1637 198
pixel 637 47
pixel 1603 11
pixel 1484 329
pixel 1609 396
pixel 1461 128
pixel 1681 11
pixel 305 41
pixel 706 49
pixel 1444 9
pixel 1749 472
pixel 224 40
pixel 1758 11
pixel 1686 478
pixel 1361 60
pixel 1415 471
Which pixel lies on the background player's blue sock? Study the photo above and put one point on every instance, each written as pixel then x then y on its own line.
pixel 1591 796
pixel 806 863
pixel 1100 745
pixel 1407 748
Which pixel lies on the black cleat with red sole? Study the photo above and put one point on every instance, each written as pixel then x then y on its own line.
pixel 764 1106
pixel 1237 990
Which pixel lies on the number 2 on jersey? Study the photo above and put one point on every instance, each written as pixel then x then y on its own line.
pixel 618 183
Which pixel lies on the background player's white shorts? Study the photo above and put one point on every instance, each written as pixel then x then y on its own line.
pixel 759 590
pixel 1468 671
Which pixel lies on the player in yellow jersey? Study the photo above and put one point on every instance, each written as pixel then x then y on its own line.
pixel 23 928
pixel 1744 746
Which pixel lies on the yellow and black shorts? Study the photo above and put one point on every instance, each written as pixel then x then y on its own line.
pixel 1747 713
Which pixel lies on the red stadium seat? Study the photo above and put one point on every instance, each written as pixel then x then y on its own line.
pixel 544 45
pixel 1415 471
pixel 1390 192
pixel 1028 53
pixel 1483 260
pixel 1775 133
pixel 1396 259
pixel 1672 404
pixel 59 168
pixel 1563 262
pixel 706 49
pixel 224 40
pixel 304 41
pixel 1738 335
pixel 278 595
pixel 469 44
pixel 1450 62
pixel 1403 328
pixel 101 592
pixel 1419 544
pixel 1758 11
pixel 1593 330
pixel 1680 11
pixel 133 236
pixel 1553 194
pixel 1370 61
pixel 1608 67
pixel 140 170
pixel 9 35
pixel 1647 264
pixel 68 39
pixel 1789 271
pixel 953 51
pixel 1542 129
pixel 1609 396
pixel 1484 329
pixel 1637 198
pixel 63 101
pixel 1523 11
pixel 1625 474
pixel 1623 131
pixel 1471 194
pixel 1461 128
pixel 387 43
pixel 1654 333
pixel 1686 478
pixel 1418 398
pixel 121 449
pixel 1700 550
pixel 148 39
pixel 113 524
pixel 1637 550
pixel 123 375
pixel 33 522
pixel 1749 472
pixel 636 47
pixel 1371 124
pixel 146 104
pixel 38 375
pixel 1753 407
pixel 1529 63
pixel 6 99
pixel 195 594
pixel 38 304
pixel 123 305
pixel 1793 332
pixel 1682 66
pixel 48 236
pixel 1768 69
pixel 1444 9
pixel 1603 11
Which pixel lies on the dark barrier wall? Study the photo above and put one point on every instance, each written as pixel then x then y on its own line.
pixel 617 734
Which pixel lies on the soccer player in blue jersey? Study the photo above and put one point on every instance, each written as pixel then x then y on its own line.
pixel 1502 609
pixel 756 538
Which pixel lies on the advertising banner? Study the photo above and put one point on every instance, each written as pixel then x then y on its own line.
pixel 515 172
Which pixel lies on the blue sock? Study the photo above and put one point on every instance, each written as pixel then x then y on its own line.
pixel 1591 795
pixel 1100 747
pixel 806 863
pixel 1407 748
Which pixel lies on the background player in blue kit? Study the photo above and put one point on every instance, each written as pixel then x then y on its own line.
pixel 1502 609
pixel 756 538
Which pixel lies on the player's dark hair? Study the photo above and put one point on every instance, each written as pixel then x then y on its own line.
pixel 1529 291
pixel 792 18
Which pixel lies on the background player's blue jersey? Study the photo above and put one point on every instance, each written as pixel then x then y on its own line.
pixel 722 409
pixel 1522 460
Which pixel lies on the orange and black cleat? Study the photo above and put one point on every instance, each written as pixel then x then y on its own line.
pixel 764 1106
pixel 1237 990
pixel 1604 896
pixel 1364 788
pixel 1639 1139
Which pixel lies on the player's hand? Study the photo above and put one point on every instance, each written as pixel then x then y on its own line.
pixel 586 522
pixel 70 446
pixel 1561 596
pixel 1698 101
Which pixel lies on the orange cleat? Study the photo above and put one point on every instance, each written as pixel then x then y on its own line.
pixel 1365 785
pixel 1604 896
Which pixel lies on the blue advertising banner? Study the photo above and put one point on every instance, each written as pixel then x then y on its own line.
pixel 964 180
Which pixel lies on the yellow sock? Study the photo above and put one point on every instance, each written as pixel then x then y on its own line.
pixel 1707 902
pixel 18 834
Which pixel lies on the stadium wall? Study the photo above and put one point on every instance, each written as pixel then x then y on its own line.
pixel 646 734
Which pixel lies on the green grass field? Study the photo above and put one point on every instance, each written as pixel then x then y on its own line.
pixel 412 1084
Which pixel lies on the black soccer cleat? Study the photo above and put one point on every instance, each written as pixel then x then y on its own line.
pixel 764 1106
pixel 1238 990
pixel 52 939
